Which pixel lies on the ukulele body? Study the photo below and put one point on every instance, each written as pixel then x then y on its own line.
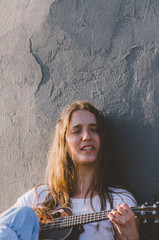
pixel 55 232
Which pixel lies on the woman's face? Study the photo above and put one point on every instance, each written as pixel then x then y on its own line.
pixel 82 138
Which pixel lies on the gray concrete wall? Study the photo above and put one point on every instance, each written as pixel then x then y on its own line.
pixel 56 52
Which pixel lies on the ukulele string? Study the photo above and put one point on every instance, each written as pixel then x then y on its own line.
pixel 72 220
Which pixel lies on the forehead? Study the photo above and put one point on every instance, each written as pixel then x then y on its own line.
pixel 82 117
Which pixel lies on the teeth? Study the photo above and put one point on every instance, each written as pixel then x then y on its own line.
pixel 87 148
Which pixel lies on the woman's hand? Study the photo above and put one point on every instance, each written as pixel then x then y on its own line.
pixel 125 222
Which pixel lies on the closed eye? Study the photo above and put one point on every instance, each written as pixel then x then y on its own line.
pixel 94 130
pixel 76 131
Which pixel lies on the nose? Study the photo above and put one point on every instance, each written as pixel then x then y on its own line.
pixel 86 135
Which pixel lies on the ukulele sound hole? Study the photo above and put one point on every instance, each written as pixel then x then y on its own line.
pixel 56 214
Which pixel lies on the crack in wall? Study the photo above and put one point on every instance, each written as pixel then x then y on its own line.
pixel 44 69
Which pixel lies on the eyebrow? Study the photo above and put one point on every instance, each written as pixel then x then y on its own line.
pixel 91 125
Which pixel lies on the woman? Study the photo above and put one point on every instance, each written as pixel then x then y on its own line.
pixel 78 176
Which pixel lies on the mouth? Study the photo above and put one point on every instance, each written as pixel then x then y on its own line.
pixel 87 148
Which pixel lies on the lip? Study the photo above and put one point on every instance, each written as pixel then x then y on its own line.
pixel 87 147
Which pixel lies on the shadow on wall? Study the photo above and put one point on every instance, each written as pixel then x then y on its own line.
pixel 136 157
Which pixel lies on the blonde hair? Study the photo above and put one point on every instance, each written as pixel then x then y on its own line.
pixel 60 170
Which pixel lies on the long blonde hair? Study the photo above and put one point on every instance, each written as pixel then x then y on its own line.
pixel 60 170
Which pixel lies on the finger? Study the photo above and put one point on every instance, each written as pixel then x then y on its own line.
pixel 127 213
pixel 122 209
pixel 115 213
pixel 118 206
pixel 114 217
pixel 120 217
pixel 117 219
pixel 128 210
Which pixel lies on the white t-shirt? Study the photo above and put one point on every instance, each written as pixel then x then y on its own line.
pixel 81 206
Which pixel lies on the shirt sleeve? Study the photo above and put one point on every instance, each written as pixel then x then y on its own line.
pixel 34 196
pixel 123 196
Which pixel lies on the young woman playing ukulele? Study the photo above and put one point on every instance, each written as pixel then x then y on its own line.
pixel 78 177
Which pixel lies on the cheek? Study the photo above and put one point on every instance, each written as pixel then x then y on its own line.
pixel 72 142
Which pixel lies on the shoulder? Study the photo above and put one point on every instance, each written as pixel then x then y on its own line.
pixel 120 196
pixel 34 196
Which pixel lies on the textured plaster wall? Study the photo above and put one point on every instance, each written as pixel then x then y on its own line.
pixel 56 52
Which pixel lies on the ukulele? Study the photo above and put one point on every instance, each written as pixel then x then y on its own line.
pixel 64 222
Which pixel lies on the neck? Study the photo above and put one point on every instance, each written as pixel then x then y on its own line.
pixel 85 177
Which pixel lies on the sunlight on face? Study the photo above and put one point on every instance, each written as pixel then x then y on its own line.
pixel 82 139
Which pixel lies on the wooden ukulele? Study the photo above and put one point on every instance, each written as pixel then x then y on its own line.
pixel 64 222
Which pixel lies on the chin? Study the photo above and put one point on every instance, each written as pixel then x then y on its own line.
pixel 88 161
